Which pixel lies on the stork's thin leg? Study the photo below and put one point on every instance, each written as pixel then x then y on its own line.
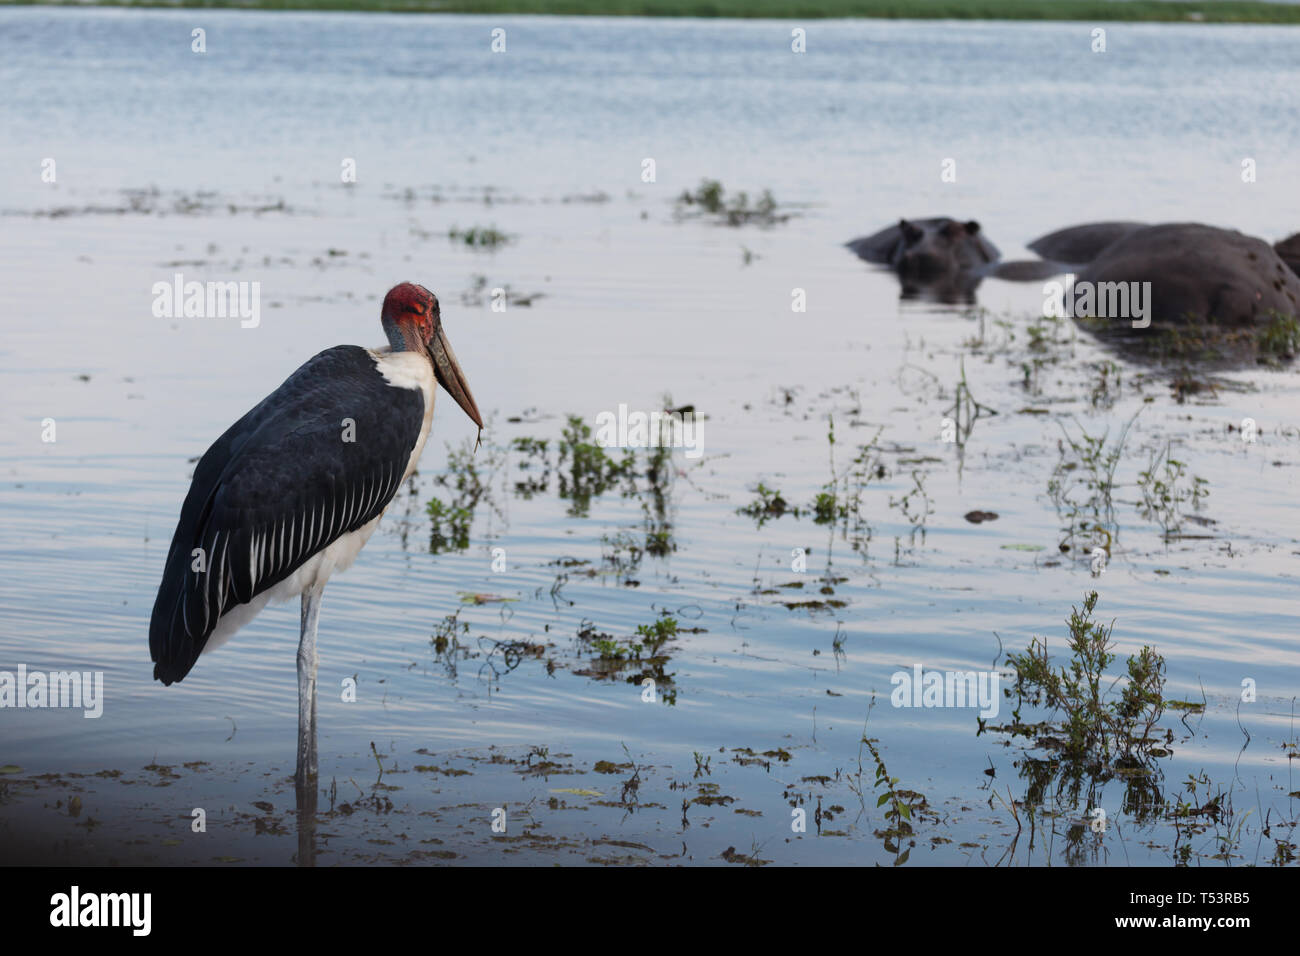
pixel 307 660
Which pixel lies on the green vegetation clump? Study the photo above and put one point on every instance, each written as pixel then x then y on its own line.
pixel 1089 725
pixel 769 504
pixel 1280 339
pixel 709 199
pixel 478 237
pixel 1082 486
pixel 636 659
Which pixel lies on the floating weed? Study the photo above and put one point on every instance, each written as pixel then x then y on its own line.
pixel 709 198
pixel 637 659
pixel 478 237
pixel 769 504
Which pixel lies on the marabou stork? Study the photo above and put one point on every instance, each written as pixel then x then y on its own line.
pixel 290 493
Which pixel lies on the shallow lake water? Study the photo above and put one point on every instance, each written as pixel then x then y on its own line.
pixel 226 165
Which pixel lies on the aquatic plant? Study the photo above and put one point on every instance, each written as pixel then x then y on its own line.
pixel 1082 484
pixel 769 504
pixel 635 659
pixel 478 237
pixel 900 805
pixel 840 499
pixel 1280 338
pixel 1086 724
pixel 709 199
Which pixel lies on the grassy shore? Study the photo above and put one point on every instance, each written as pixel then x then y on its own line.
pixel 1092 11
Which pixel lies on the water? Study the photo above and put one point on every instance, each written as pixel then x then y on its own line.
pixel 546 143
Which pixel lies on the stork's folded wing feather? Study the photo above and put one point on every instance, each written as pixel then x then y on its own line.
pixel 319 457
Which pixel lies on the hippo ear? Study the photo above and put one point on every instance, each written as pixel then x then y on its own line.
pixel 910 232
pixel 973 227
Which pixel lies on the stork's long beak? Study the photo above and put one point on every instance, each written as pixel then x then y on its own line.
pixel 450 376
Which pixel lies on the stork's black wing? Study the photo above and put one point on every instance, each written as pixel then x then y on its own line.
pixel 319 457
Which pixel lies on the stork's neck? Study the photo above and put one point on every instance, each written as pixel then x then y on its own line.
pixel 396 342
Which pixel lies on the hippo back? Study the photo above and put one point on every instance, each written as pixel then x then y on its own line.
pixel 1288 251
pixel 1076 245
pixel 1198 271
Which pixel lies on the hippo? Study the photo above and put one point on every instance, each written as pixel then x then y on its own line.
pixel 943 258
pixel 1288 251
pixel 1076 245
pixel 1208 286
pixel 939 257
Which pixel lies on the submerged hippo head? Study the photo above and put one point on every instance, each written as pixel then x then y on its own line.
pixel 931 248
pixel 939 258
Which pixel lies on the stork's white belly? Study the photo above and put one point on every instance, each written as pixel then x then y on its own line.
pixel 400 369
pixel 316 570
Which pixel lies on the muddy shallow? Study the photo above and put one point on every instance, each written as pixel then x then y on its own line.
pixel 511 707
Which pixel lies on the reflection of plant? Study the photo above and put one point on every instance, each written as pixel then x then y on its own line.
pixel 450 526
pixel 658 474
pixel 469 478
pixel 965 410
pixel 532 452
pixel 446 642
pixel 916 506
pixel 591 471
pixel 1164 492
pixel 619 545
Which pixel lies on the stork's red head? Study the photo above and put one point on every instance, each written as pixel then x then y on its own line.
pixel 411 316
pixel 413 323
